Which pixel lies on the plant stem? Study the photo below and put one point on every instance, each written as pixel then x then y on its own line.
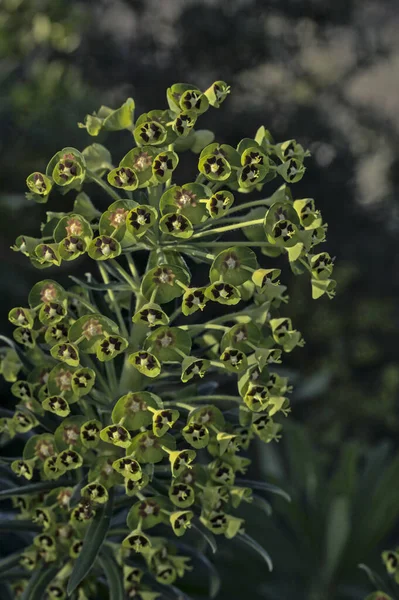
pixel 214 398
pixel 102 381
pixel 227 228
pixel 246 205
pixel 231 316
pixel 190 251
pixel 125 275
pixel 107 188
pixel 133 268
pixel 201 326
pixel 175 314
pixel 114 302
pixel 82 301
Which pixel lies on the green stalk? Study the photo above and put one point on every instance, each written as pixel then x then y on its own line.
pixel 133 268
pixel 124 275
pixel 227 228
pixel 88 362
pixel 211 398
pixel 226 244
pixel 114 302
pixel 107 188
pixel 82 301
pixel 253 204
pixel 201 326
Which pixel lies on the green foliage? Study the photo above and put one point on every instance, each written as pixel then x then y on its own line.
pixel 118 386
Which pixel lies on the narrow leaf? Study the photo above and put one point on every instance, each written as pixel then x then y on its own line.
pixel 10 561
pixel 99 287
pixel 207 535
pixel 38 583
pixel 114 576
pixel 5 592
pixel 375 579
pixel 266 487
pixel 92 543
pixel 263 504
pixel 14 525
pixel 32 488
pixel 249 541
pixel 338 529
pixel 214 577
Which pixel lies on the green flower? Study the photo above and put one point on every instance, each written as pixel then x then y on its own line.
pixel 129 468
pixel 39 184
pixel 90 433
pixel 217 93
pixel 194 367
pixel 149 132
pixel 116 435
pixel 180 461
pixel 146 363
pixel 95 492
pixel 181 521
pixel 219 203
pixel 234 360
pixel 182 495
pixel 140 219
pixel 163 166
pixel 69 459
pixel 194 299
pixel 176 225
pixel 184 123
pixel 57 405
pixel 23 468
pixel 151 314
pixel 22 317
pixel 187 200
pixel 83 381
pixel 163 420
pixel 196 435
pixel 223 293
pixel 110 346
pixel 137 541
pixel 104 248
pixel 123 178
pixel 234 265
pixel 215 168
pixel 67 353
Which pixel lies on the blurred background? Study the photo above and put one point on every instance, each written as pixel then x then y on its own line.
pixel 325 72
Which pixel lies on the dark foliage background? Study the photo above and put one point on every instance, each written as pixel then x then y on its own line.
pixel 325 72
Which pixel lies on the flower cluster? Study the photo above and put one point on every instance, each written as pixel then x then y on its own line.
pixel 119 390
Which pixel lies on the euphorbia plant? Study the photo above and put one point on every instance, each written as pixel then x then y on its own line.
pixel 137 397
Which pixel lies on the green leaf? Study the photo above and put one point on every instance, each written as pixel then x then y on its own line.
pixel 262 504
pixel 18 525
pixel 374 578
pixel 32 488
pixel 113 574
pixel 266 487
pixel 338 529
pixel 257 547
pixel 10 561
pixel 92 543
pixel 40 580
pixel 207 535
pixel 99 287
pixel 203 137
